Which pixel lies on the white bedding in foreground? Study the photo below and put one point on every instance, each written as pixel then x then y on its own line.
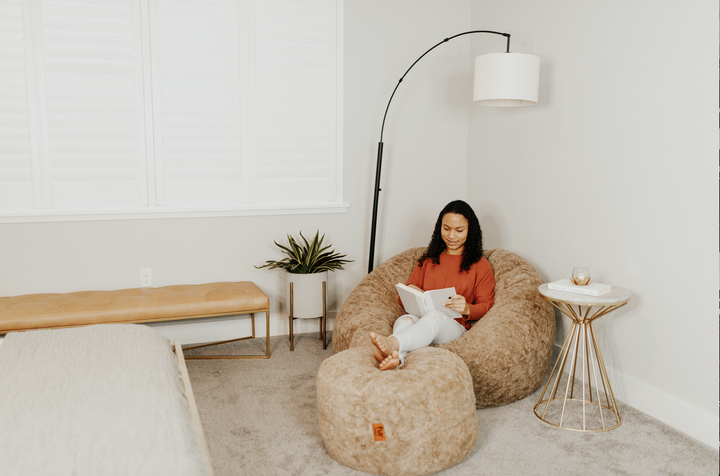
pixel 96 400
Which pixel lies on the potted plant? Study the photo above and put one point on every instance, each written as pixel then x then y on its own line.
pixel 307 266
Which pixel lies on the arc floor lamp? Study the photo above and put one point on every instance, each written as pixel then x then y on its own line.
pixel 501 79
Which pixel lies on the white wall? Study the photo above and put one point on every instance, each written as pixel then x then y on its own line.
pixel 381 41
pixel 615 169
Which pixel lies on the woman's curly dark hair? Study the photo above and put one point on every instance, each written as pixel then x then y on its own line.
pixel 473 244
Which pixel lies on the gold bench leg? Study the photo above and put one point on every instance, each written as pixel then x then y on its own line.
pixel 252 317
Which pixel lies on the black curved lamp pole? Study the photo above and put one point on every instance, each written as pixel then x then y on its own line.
pixel 371 258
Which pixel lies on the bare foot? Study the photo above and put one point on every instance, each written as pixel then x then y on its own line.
pixel 378 355
pixel 384 346
pixel 390 362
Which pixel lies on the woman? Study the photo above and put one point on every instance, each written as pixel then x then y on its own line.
pixel 452 259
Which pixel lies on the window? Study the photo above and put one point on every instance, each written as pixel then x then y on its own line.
pixel 127 108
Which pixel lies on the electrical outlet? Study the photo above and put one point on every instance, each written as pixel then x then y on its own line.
pixel 145 277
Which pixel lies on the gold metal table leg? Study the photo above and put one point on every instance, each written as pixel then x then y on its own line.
pixel 586 369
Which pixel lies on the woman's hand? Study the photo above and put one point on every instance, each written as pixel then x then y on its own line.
pixel 415 287
pixel 458 303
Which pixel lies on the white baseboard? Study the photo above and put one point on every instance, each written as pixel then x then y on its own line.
pixel 694 422
pixel 212 329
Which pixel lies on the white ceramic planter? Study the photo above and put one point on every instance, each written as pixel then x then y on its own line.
pixel 307 294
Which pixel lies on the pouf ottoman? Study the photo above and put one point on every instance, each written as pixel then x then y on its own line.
pixel 411 421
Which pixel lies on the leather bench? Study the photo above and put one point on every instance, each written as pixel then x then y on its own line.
pixel 137 305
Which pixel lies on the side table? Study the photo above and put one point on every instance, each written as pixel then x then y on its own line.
pixel 581 409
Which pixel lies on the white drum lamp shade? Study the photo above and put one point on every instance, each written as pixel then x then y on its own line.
pixel 506 79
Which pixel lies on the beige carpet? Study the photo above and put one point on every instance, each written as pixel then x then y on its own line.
pixel 260 418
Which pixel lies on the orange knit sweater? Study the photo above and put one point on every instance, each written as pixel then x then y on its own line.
pixel 477 285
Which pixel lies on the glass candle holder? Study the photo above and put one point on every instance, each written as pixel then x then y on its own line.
pixel 581 276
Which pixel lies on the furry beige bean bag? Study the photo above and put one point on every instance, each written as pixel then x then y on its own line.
pixel 508 351
pixel 410 422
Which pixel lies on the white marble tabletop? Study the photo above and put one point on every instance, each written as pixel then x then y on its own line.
pixel 616 296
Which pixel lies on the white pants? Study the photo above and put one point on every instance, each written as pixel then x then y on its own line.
pixel 435 327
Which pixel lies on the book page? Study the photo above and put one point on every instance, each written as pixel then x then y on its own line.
pixel 412 300
pixel 437 297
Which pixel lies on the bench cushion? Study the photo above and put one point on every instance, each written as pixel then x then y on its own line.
pixel 35 311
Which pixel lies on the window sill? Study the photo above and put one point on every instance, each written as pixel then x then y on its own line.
pixel 50 215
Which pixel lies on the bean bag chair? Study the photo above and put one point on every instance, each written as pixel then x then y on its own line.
pixel 508 351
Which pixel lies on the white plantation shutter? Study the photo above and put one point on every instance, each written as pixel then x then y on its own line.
pixel 295 78
pixel 91 77
pixel 16 157
pixel 196 72
pixel 137 107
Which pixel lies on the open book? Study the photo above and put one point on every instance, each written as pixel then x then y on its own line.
pixel 419 303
